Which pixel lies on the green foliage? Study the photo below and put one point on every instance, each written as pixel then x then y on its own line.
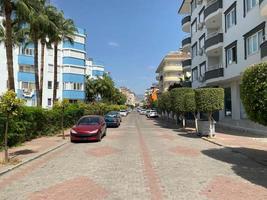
pixel 10 104
pixel 254 93
pixel 164 102
pixel 190 101
pixel 209 100
pixel 178 99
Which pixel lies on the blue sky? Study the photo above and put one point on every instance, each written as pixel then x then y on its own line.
pixel 129 37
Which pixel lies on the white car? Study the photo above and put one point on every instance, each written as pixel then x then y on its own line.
pixel 123 113
pixel 143 112
pixel 152 114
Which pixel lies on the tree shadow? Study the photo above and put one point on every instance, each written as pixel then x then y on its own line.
pixel 229 131
pixel 22 152
pixel 250 164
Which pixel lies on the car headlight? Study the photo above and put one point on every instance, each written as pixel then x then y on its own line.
pixel 73 131
pixel 93 132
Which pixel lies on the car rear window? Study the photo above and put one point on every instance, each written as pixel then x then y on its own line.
pixel 89 121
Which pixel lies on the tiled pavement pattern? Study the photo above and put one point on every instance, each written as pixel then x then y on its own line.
pixel 141 160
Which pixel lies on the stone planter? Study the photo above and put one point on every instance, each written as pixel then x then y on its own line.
pixel 204 128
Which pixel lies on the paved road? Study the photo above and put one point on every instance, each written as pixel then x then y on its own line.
pixel 143 159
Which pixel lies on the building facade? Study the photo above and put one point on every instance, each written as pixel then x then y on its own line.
pixel 130 96
pixel 94 70
pixel 170 70
pixel 72 70
pixel 224 38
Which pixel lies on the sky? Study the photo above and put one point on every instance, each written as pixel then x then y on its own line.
pixel 129 37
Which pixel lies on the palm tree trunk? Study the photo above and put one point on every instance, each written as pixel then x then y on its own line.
pixel 6 146
pixel 9 44
pixel 55 73
pixel 42 72
pixel 37 87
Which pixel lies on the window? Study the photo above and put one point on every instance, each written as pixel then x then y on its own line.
pixel 202 69
pixel 27 51
pixel 49 102
pixel 27 86
pixel 195 74
pixel 251 4
pixel 193 5
pixel 231 53
pixel 49 85
pixel 194 26
pixel 57 85
pixel 27 68
pixel 230 17
pixel 201 15
pixel 202 42
pixel 253 42
pixel 194 50
pixel 73 86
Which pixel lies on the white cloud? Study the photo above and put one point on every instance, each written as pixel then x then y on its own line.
pixel 113 44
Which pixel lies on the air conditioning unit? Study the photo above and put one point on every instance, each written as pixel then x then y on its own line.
pixel 199 2
pixel 201 51
pixel 200 25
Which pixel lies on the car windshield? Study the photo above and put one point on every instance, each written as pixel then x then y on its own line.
pixel 113 113
pixel 89 121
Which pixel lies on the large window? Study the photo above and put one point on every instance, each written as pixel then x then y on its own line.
pixel 202 69
pixel 201 44
pixel 194 50
pixel 253 42
pixel 27 51
pixel 195 74
pixel 230 17
pixel 194 26
pixel 49 85
pixel 27 86
pixel 193 5
pixel 231 53
pixel 251 4
pixel 73 86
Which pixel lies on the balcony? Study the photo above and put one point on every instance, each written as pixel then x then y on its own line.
pixel 186 23
pixel 172 69
pixel 172 79
pixel 186 44
pixel 187 64
pixel 263 7
pixel 213 14
pixel 215 71
pixel 214 44
pixel 264 50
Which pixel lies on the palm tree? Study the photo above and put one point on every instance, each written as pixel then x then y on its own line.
pixel 65 30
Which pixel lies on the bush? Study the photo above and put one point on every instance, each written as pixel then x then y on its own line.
pixel 178 99
pixel 254 93
pixel 209 100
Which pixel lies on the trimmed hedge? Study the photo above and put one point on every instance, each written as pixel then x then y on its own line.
pixel 254 93
pixel 178 99
pixel 34 122
pixel 209 100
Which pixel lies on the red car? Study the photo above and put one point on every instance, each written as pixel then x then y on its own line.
pixel 89 128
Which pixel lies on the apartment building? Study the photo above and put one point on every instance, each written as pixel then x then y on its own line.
pixel 71 71
pixel 130 96
pixel 224 38
pixel 94 70
pixel 170 70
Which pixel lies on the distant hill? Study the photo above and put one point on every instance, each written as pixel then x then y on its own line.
pixel 140 97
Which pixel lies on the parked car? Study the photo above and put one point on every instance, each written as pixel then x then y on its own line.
pixel 153 114
pixel 112 121
pixel 147 112
pixel 123 113
pixel 143 112
pixel 89 128
pixel 115 114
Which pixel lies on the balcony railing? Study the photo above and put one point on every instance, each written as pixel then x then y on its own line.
pixel 214 71
pixel 186 41
pixel 186 20
pixel 186 63
pixel 213 39
pixel 212 7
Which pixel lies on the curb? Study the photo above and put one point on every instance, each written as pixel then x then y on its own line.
pixel 235 151
pixel 32 159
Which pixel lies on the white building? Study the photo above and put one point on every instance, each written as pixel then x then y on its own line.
pixel 94 70
pixel 72 69
pixel 225 37
pixel 170 70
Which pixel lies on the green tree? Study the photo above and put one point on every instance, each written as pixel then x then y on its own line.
pixel 90 89
pixel 210 100
pixel 10 106
pixel 164 103
pixel 254 93
pixel 191 106
pixel 64 31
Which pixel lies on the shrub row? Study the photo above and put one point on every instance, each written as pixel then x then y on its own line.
pixel 34 122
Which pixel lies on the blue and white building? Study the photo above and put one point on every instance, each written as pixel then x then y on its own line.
pixel 94 70
pixel 72 70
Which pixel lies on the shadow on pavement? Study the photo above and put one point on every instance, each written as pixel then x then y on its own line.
pixel 253 169
pixel 22 152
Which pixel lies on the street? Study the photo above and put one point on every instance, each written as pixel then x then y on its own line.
pixel 143 159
